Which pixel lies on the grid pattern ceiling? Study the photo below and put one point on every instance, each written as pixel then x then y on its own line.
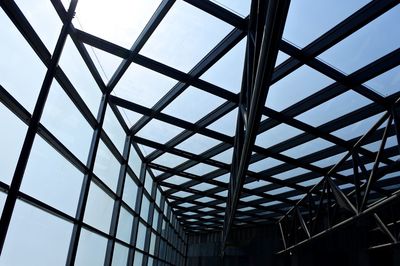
pixel 174 73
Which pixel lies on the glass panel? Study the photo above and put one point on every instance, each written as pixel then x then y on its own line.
pixel 120 256
pixel 159 131
pixel 387 83
pixel 77 72
pixel 197 144
pixel 99 208
pixel 43 19
pixel 311 182
pixel 62 119
pixel 91 249
pixel 114 129
pixel 143 86
pixel 129 116
pixel 185 36
pixel 223 178
pixel 130 191
pixel 264 164
pixel 22 72
pixel 141 237
pixel 329 161
pixel 105 63
pixel 169 160
pixel 35 232
pixel 106 166
pixel 182 194
pixel 250 198
pixel 138 259
pixel 296 86
pixel 155 219
pixel 279 190
pixel 50 178
pixel 203 186
pixel 276 135
pixel 317 17
pixel 357 129
pixel 12 138
pixel 193 104
pixel 152 244
pixel 144 210
pixel 3 197
pixel 124 225
pixel 177 180
pixel 307 148
pixel 226 124
pixel 366 45
pixel 240 7
pixel 256 184
pixel 282 57
pixel 334 108
pixel 134 161
pixel 225 156
pixel 148 182
pixel 234 60
pixel 119 21
pixel 201 169
pixel 291 173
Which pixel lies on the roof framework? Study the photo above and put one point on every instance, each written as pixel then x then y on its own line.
pixel 232 193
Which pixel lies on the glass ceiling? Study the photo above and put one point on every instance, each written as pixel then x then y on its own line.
pixel 168 75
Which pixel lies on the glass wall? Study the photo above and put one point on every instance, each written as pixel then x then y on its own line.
pixel 73 186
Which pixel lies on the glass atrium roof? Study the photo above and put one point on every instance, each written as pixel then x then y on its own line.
pixel 169 75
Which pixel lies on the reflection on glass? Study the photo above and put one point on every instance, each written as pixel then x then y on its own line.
pixel 12 137
pixel 35 232
pixel 50 178
pixel 185 36
pixel 98 208
pixel 64 120
pixel 22 72
pixel 366 45
pixel 91 249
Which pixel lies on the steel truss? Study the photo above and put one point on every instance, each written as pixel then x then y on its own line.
pixel 329 207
